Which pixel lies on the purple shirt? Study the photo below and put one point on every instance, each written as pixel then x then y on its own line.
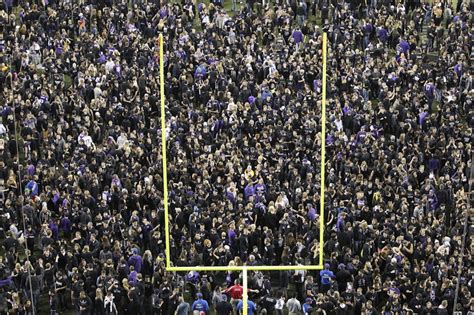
pixel 297 36
pixel 230 195
pixel 360 136
pixel 231 235
pixel 383 35
pixel 347 110
pixel 55 198
pixel 136 262
pixel 260 188
pixel 54 229
pixel 7 281
pixel 66 224
pixel 433 164
pixel 421 118
pixel 330 139
pixel 429 89
pixel 132 277
pixel 368 28
pixel 433 201
pixel 31 169
pixel 458 69
pixel 404 46
pixel 340 224
pixel 312 214
pixel 102 58
pixel 249 191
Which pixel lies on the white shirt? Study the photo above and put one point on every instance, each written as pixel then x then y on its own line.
pixel 338 123
pixel 293 305
pixel 121 140
pixel 97 92
pixel 3 129
pixel 109 66
pixel 87 140
pixel 280 304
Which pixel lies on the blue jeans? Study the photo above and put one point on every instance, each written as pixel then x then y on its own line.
pixel 366 41
pixel 427 16
pixel 429 45
pixel 365 94
pixel 300 19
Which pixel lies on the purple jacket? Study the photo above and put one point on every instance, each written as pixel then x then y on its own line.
pixel 297 36
pixel 66 224
pixel 249 191
pixel 136 261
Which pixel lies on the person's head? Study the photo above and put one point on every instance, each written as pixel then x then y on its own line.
pixel 368 304
pixel 98 293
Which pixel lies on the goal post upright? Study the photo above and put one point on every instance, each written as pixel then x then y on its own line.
pixel 245 297
pixel 163 152
pixel 323 152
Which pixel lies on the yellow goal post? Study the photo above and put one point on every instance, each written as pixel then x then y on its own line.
pixel 243 269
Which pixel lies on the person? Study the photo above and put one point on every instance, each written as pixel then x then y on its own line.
pixel 224 307
pixel 52 303
pixel 298 280
pixel 98 307
pixel 183 307
pixel 307 306
pixel 251 307
pixel 135 260
pixel 236 292
pixel 200 306
pixel 370 309
pixel 442 308
pixel 84 304
pixel 110 307
pixel 343 276
pixel 280 304
pixel 327 277
pixel 60 286
pixel 268 303
pixel 293 306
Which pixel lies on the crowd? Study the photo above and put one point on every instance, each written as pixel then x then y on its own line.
pixel 82 217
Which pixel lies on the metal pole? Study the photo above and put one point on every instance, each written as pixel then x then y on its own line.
pixel 323 152
pixel 245 294
pixel 163 153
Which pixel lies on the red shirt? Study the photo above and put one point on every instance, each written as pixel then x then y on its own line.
pixel 236 291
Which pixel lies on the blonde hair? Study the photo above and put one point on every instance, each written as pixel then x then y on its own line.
pixel 99 294
pixel 147 254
